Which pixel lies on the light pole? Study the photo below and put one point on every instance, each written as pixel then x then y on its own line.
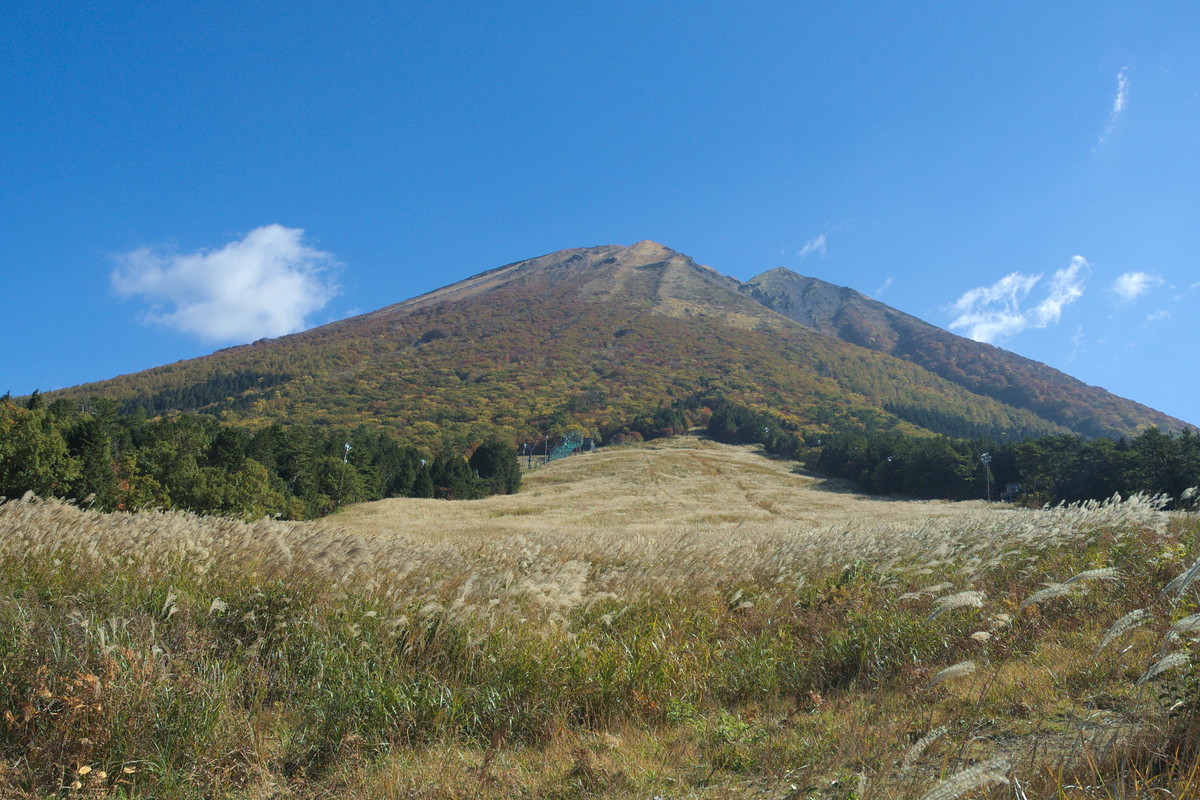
pixel 986 458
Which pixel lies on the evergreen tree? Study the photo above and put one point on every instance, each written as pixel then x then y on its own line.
pixel 423 483
pixel 90 443
pixel 495 462
pixel 453 479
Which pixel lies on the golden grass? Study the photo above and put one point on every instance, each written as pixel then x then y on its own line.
pixel 716 577
pixel 685 513
pixel 657 489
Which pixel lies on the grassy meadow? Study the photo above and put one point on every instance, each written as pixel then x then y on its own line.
pixel 680 619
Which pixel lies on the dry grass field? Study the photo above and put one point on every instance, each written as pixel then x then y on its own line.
pixel 680 619
pixel 661 488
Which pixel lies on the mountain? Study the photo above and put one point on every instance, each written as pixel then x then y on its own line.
pixel 981 368
pixel 595 336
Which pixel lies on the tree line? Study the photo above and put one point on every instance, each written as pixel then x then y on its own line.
pixel 96 452
pixel 1047 469
pixel 93 453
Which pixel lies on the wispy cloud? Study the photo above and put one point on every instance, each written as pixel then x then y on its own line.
pixel 884 287
pixel 266 284
pixel 1118 104
pixel 1132 285
pixel 992 313
pixel 1122 92
pixel 814 245
pixel 1159 316
pixel 1077 343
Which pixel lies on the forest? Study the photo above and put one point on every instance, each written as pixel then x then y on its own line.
pixel 109 456
pixel 90 452
pixel 1060 468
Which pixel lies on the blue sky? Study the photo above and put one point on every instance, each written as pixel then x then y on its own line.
pixel 180 177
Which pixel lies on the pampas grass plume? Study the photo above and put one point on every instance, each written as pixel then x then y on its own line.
pixel 1102 574
pixel 955 671
pixel 958 784
pixel 1051 591
pixel 1164 664
pixel 921 745
pixel 1122 626
pixel 968 599
pixel 1186 625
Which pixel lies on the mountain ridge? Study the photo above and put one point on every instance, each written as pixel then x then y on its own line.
pixel 979 367
pixel 590 337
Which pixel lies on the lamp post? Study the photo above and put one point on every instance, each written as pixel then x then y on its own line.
pixel 986 458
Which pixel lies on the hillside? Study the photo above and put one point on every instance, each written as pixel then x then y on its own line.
pixel 590 337
pixel 976 366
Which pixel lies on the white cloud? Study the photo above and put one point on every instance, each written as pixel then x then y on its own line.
pixel 1118 104
pixel 266 284
pixel 995 312
pixel 883 288
pixel 816 245
pixel 1132 285
pixel 1159 316
pixel 1122 92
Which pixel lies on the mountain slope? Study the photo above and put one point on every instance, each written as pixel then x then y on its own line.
pixel 590 336
pixel 981 368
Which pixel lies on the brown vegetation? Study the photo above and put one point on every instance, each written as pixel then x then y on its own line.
pixel 680 619
pixel 591 338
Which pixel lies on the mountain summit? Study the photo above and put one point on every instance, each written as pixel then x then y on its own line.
pixel 594 336
pixel 646 274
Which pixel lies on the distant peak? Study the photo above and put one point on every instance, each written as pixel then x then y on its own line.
pixel 780 272
pixel 646 247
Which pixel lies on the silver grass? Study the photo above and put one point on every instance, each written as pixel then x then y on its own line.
pixel 1122 626
pixel 955 671
pixel 1102 574
pixel 968 599
pixel 531 573
pixel 1165 663
pixel 1181 581
pixel 958 784
pixel 918 749
pixel 169 608
pixel 1186 625
pixel 1051 591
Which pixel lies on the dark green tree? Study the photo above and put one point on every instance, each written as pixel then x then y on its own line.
pixel 495 462
pixel 90 443
pixel 423 483
pixel 453 479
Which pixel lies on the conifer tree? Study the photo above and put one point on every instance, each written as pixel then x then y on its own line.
pixel 495 462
